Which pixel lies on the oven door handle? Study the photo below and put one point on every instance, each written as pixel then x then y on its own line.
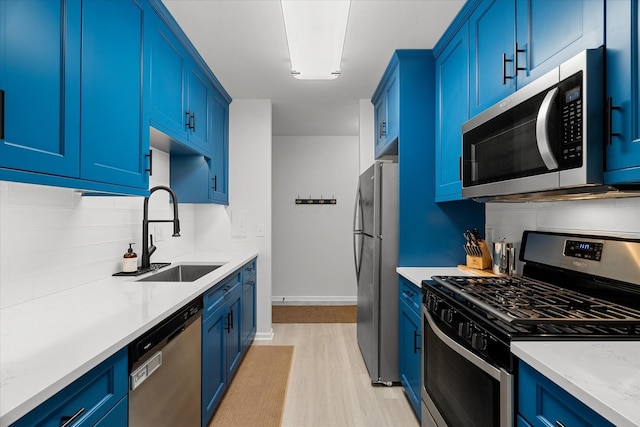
pixel 471 357
pixel 542 130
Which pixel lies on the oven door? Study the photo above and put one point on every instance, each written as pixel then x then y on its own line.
pixel 459 388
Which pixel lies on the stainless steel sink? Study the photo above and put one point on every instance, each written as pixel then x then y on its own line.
pixel 181 273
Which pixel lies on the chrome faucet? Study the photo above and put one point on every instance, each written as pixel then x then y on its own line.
pixel 147 250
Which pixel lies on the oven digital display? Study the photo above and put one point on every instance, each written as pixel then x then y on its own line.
pixel 583 249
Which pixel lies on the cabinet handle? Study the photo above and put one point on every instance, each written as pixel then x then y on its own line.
pixel 382 129
pixel 228 327
pixel 215 183
pixel 416 347
pixel 504 69
pixel 232 327
pixel 516 51
pixel 150 168
pixel 559 424
pixel 193 122
pixel 609 132
pixel 66 421
pixel 188 113
pixel 1 114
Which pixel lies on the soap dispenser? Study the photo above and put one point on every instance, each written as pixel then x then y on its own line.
pixel 130 261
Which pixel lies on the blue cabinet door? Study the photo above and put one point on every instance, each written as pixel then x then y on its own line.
pixel 248 321
pixel 40 77
pixel 409 354
pixel 168 65
pixel 114 134
pixel 219 135
pixel 492 42
pixel 387 114
pixel 623 75
pixel 234 331
pixel 198 90
pixel 452 109
pixel 214 372
pixel 380 117
pixel 550 32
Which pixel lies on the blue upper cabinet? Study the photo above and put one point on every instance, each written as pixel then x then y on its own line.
pixel 41 109
pixel 623 91
pixel 452 109
pixel 179 92
pixel 168 64
pixel 550 32
pixel 76 73
pixel 492 41
pixel 114 134
pixel 513 42
pixel 219 125
pixel 386 101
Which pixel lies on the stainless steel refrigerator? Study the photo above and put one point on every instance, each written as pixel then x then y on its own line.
pixel 375 246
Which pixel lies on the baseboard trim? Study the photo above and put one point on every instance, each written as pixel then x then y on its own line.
pixel 264 336
pixel 324 300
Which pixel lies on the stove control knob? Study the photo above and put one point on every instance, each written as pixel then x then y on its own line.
pixel 464 330
pixel 446 315
pixel 432 303
pixel 479 341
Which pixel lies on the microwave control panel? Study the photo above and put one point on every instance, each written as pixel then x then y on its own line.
pixel 572 121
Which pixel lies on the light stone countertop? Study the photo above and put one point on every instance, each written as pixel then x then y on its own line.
pixel 604 375
pixel 47 343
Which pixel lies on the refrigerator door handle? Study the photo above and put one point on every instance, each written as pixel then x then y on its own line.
pixel 356 232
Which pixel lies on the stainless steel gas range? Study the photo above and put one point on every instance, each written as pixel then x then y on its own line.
pixel 573 287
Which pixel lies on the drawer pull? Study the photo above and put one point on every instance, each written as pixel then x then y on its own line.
pixel 67 421
pixel 559 424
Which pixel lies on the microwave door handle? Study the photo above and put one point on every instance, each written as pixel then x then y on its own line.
pixel 542 130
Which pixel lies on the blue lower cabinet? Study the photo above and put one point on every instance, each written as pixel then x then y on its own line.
pixel 410 339
pixel 214 372
pixel 97 396
pixel 542 403
pixel 225 337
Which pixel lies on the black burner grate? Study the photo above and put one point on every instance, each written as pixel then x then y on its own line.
pixel 523 301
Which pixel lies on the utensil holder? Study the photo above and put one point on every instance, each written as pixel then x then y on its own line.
pixel 480 262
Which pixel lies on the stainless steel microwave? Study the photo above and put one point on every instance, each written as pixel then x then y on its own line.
pixel 546 137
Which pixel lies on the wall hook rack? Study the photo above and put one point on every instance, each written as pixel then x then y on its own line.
pixel 320 201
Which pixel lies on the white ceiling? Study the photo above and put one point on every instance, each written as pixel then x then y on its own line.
pixel 244 44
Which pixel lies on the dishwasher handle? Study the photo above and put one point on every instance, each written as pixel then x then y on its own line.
pixel 140 375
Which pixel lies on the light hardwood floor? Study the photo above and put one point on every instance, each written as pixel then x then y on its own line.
pixel 329 384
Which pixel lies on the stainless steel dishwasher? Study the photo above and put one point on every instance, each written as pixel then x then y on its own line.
pixel 164 373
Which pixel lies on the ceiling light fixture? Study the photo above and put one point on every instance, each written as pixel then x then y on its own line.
pixel 315 31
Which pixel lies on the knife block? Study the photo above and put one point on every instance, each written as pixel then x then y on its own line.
pixel 480 262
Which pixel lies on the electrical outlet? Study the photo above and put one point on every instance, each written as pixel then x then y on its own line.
pixel 260 230
pixel 158 233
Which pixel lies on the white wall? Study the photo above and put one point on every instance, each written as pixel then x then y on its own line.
pixel 52 239
pixel 236 227
pixel 312 245
pixel 619 217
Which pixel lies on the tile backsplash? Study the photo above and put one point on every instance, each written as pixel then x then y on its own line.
pixel 615 217
pixel 52 239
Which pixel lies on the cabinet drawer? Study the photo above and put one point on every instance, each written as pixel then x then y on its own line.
pixel 89 398
pixel 410 294
pixel 215 296
pixel 541 402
